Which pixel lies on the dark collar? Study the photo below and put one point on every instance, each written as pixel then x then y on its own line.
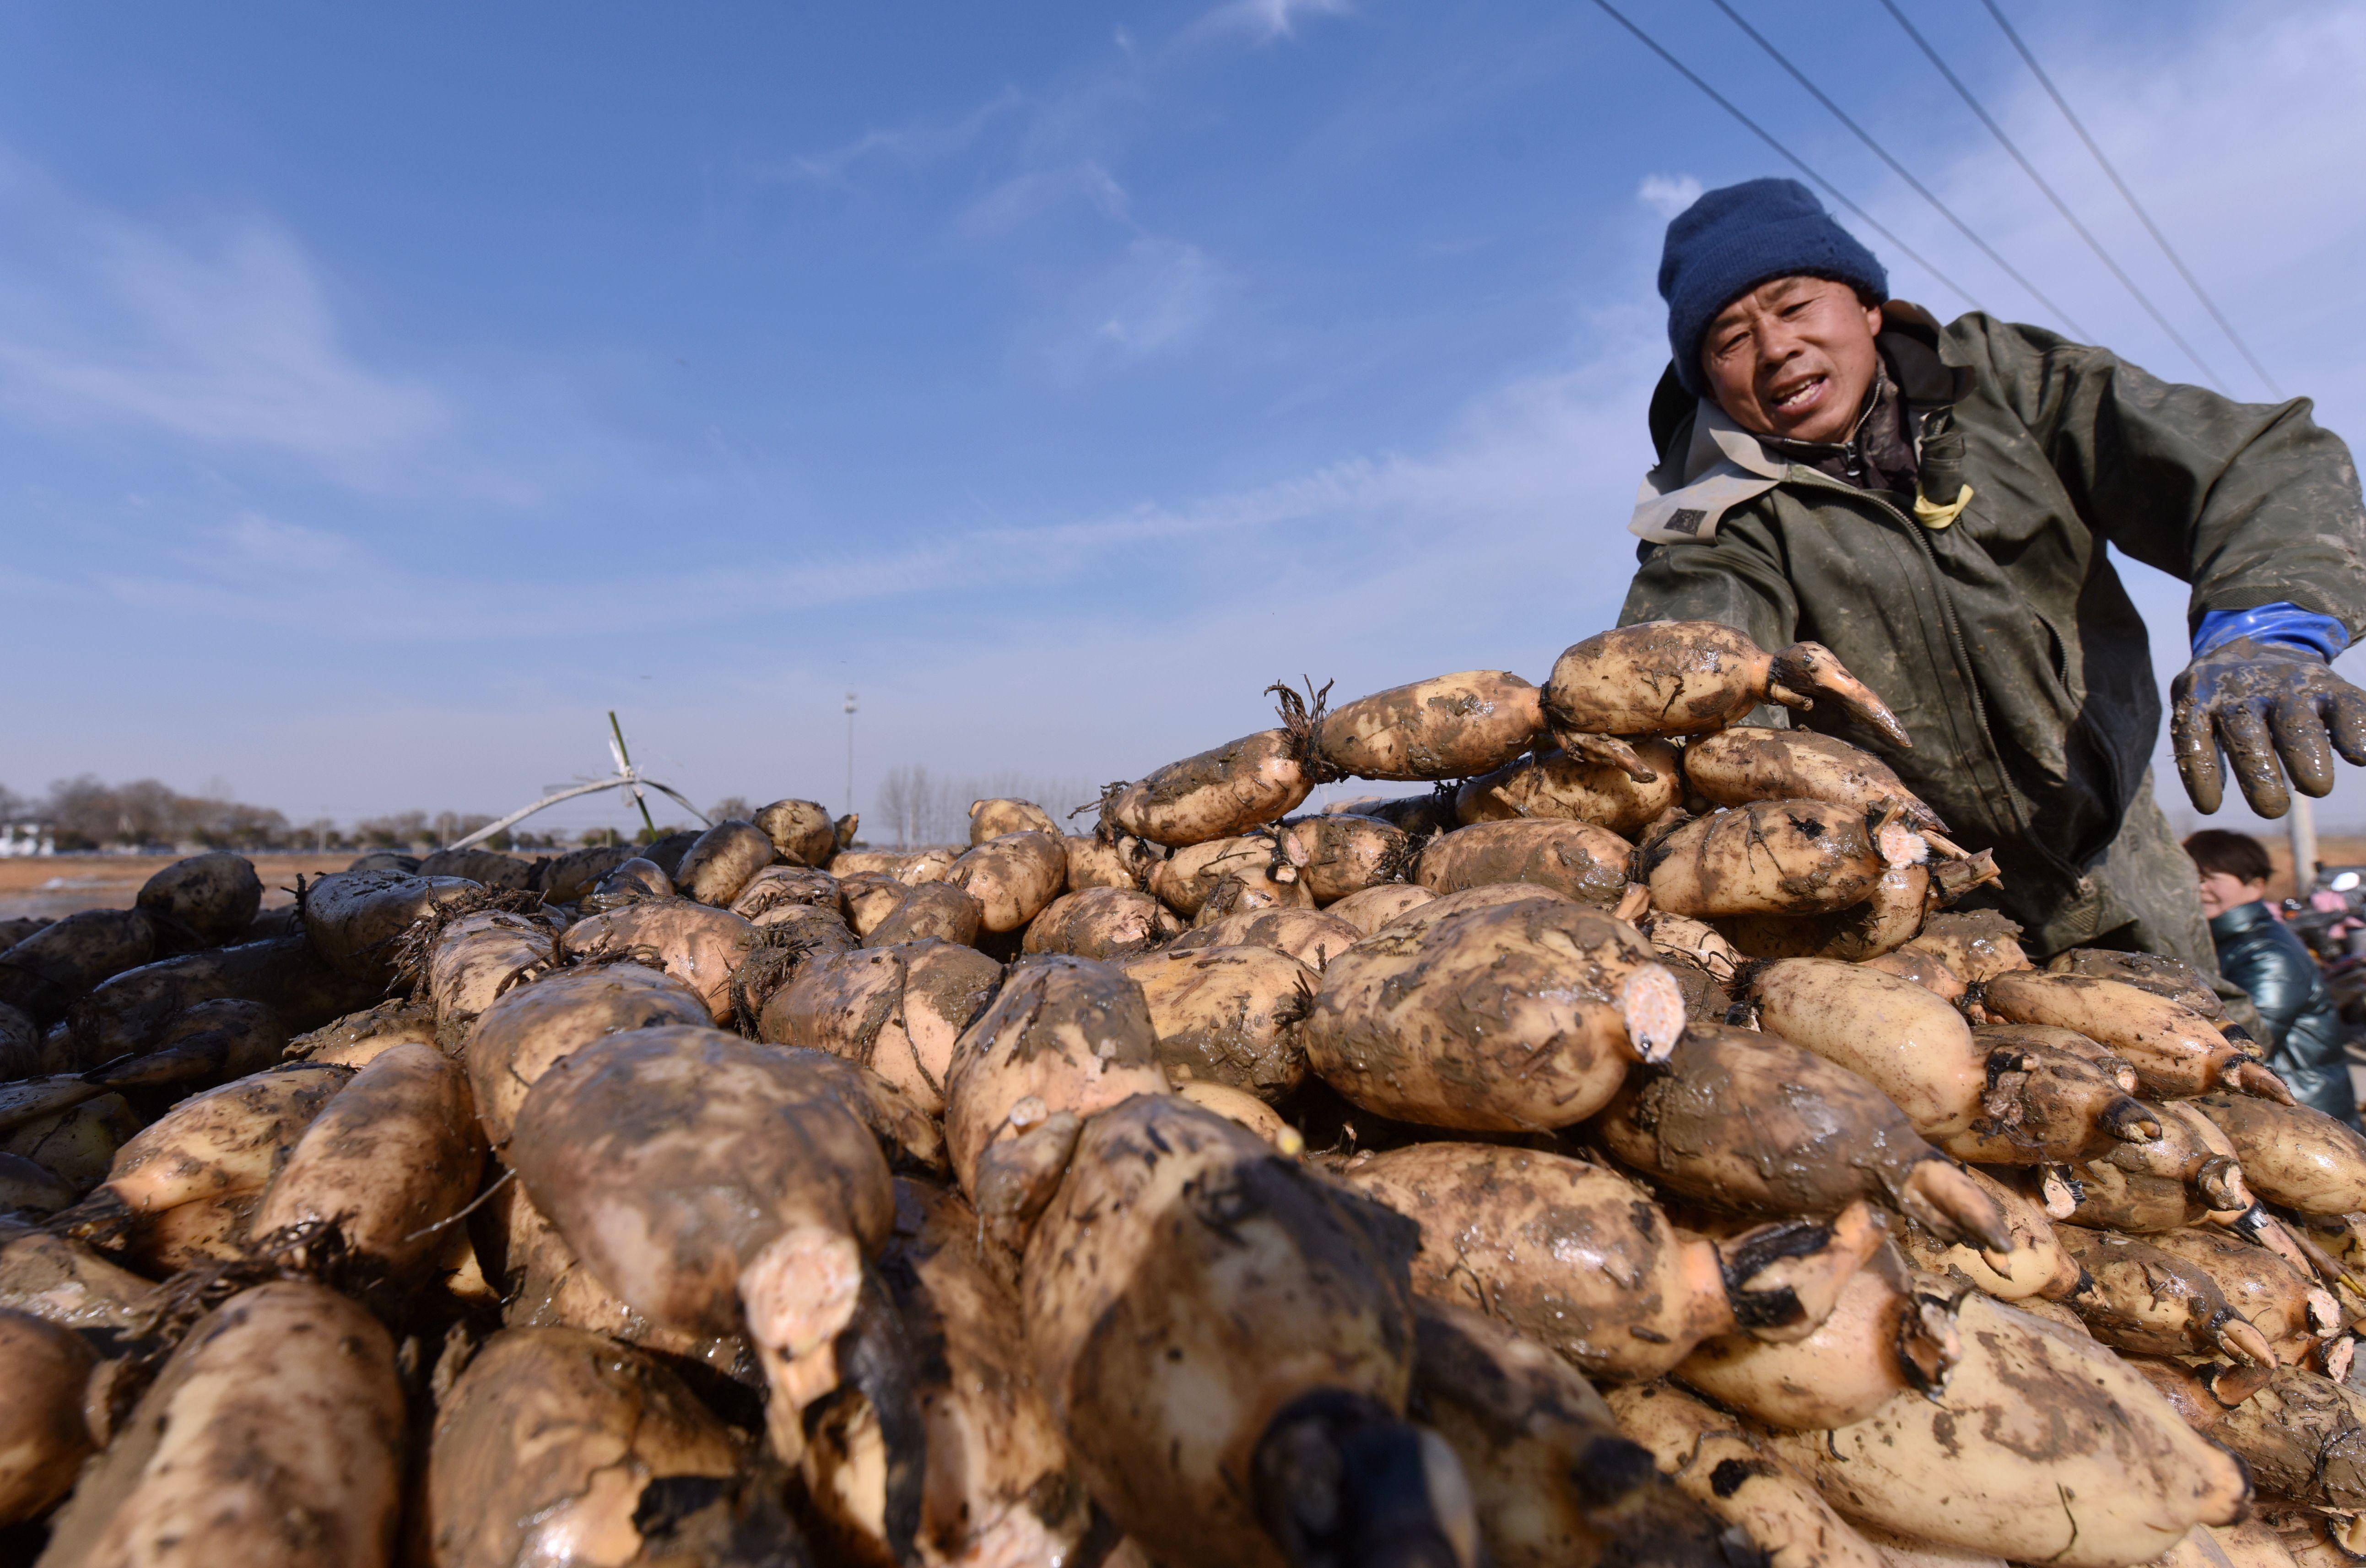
pixel 2242 919
pixel 1909 343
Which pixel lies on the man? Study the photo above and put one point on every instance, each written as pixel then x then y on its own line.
pixel 2259 953
pixel 1932 504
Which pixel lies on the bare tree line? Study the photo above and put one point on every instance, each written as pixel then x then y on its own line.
pixel 86 813
pixel 917 806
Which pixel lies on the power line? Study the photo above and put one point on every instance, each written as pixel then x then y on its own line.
pixel 1899 169
pixel 2150 227
pixel 2060 205
pixel 1760 132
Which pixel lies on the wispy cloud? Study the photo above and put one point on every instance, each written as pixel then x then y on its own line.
pixel 1262 21
pixel 1667 195
pixel 1156 299
pixel 1015 201
pixel 218 331
pixel 256 551
pixel 1038 153
pixel 1525 458
pixel 919 141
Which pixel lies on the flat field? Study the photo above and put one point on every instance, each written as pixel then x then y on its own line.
pixel 51 886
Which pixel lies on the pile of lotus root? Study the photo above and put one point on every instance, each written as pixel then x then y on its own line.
pixel 1618 1154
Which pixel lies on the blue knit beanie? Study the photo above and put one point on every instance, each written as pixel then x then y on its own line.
pixel 1734 239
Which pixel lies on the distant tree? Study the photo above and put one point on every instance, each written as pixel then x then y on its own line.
pixel 398 831
pixel 450 826
pixel 84 811
pixel 147 812
pixel 600 838
pixel 917 806
pixel 238 826
pixel 898 793
pixel 731 808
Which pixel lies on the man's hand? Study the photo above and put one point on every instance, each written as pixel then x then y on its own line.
pixel 2262 701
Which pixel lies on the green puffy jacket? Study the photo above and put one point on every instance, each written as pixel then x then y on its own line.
pixel 2004 641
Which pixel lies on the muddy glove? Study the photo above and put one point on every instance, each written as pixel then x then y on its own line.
pixel 2261 701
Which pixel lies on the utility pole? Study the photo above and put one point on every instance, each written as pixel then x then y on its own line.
pixel 850 751
pixel 2303 825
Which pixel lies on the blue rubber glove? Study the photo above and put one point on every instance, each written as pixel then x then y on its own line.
pixel 2280 623
pixel 2260 686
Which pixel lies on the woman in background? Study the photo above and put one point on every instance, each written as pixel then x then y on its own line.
pixel 2259 953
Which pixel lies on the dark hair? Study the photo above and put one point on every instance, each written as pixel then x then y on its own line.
pixel 2240 855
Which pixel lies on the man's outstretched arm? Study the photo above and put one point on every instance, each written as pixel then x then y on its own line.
pixel 2258 507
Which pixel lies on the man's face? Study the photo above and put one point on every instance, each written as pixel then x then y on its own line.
pixel 1792 358
pixel 2222 890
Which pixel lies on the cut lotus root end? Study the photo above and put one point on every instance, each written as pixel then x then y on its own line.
pixel 2219 1180
pixel 2128 1120
pixel 1900 845
pixel 2060 1192
pixel 2230 1385
pixel 799 1294
pixel 1651 1005
pixel 2252 1075
pixel 1797 1269
pixel 1928 1345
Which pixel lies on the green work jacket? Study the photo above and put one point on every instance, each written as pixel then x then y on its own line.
pixel 2004 640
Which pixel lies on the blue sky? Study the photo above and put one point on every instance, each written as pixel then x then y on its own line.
pixel 386 392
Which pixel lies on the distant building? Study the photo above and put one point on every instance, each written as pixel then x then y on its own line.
pixel 26 838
